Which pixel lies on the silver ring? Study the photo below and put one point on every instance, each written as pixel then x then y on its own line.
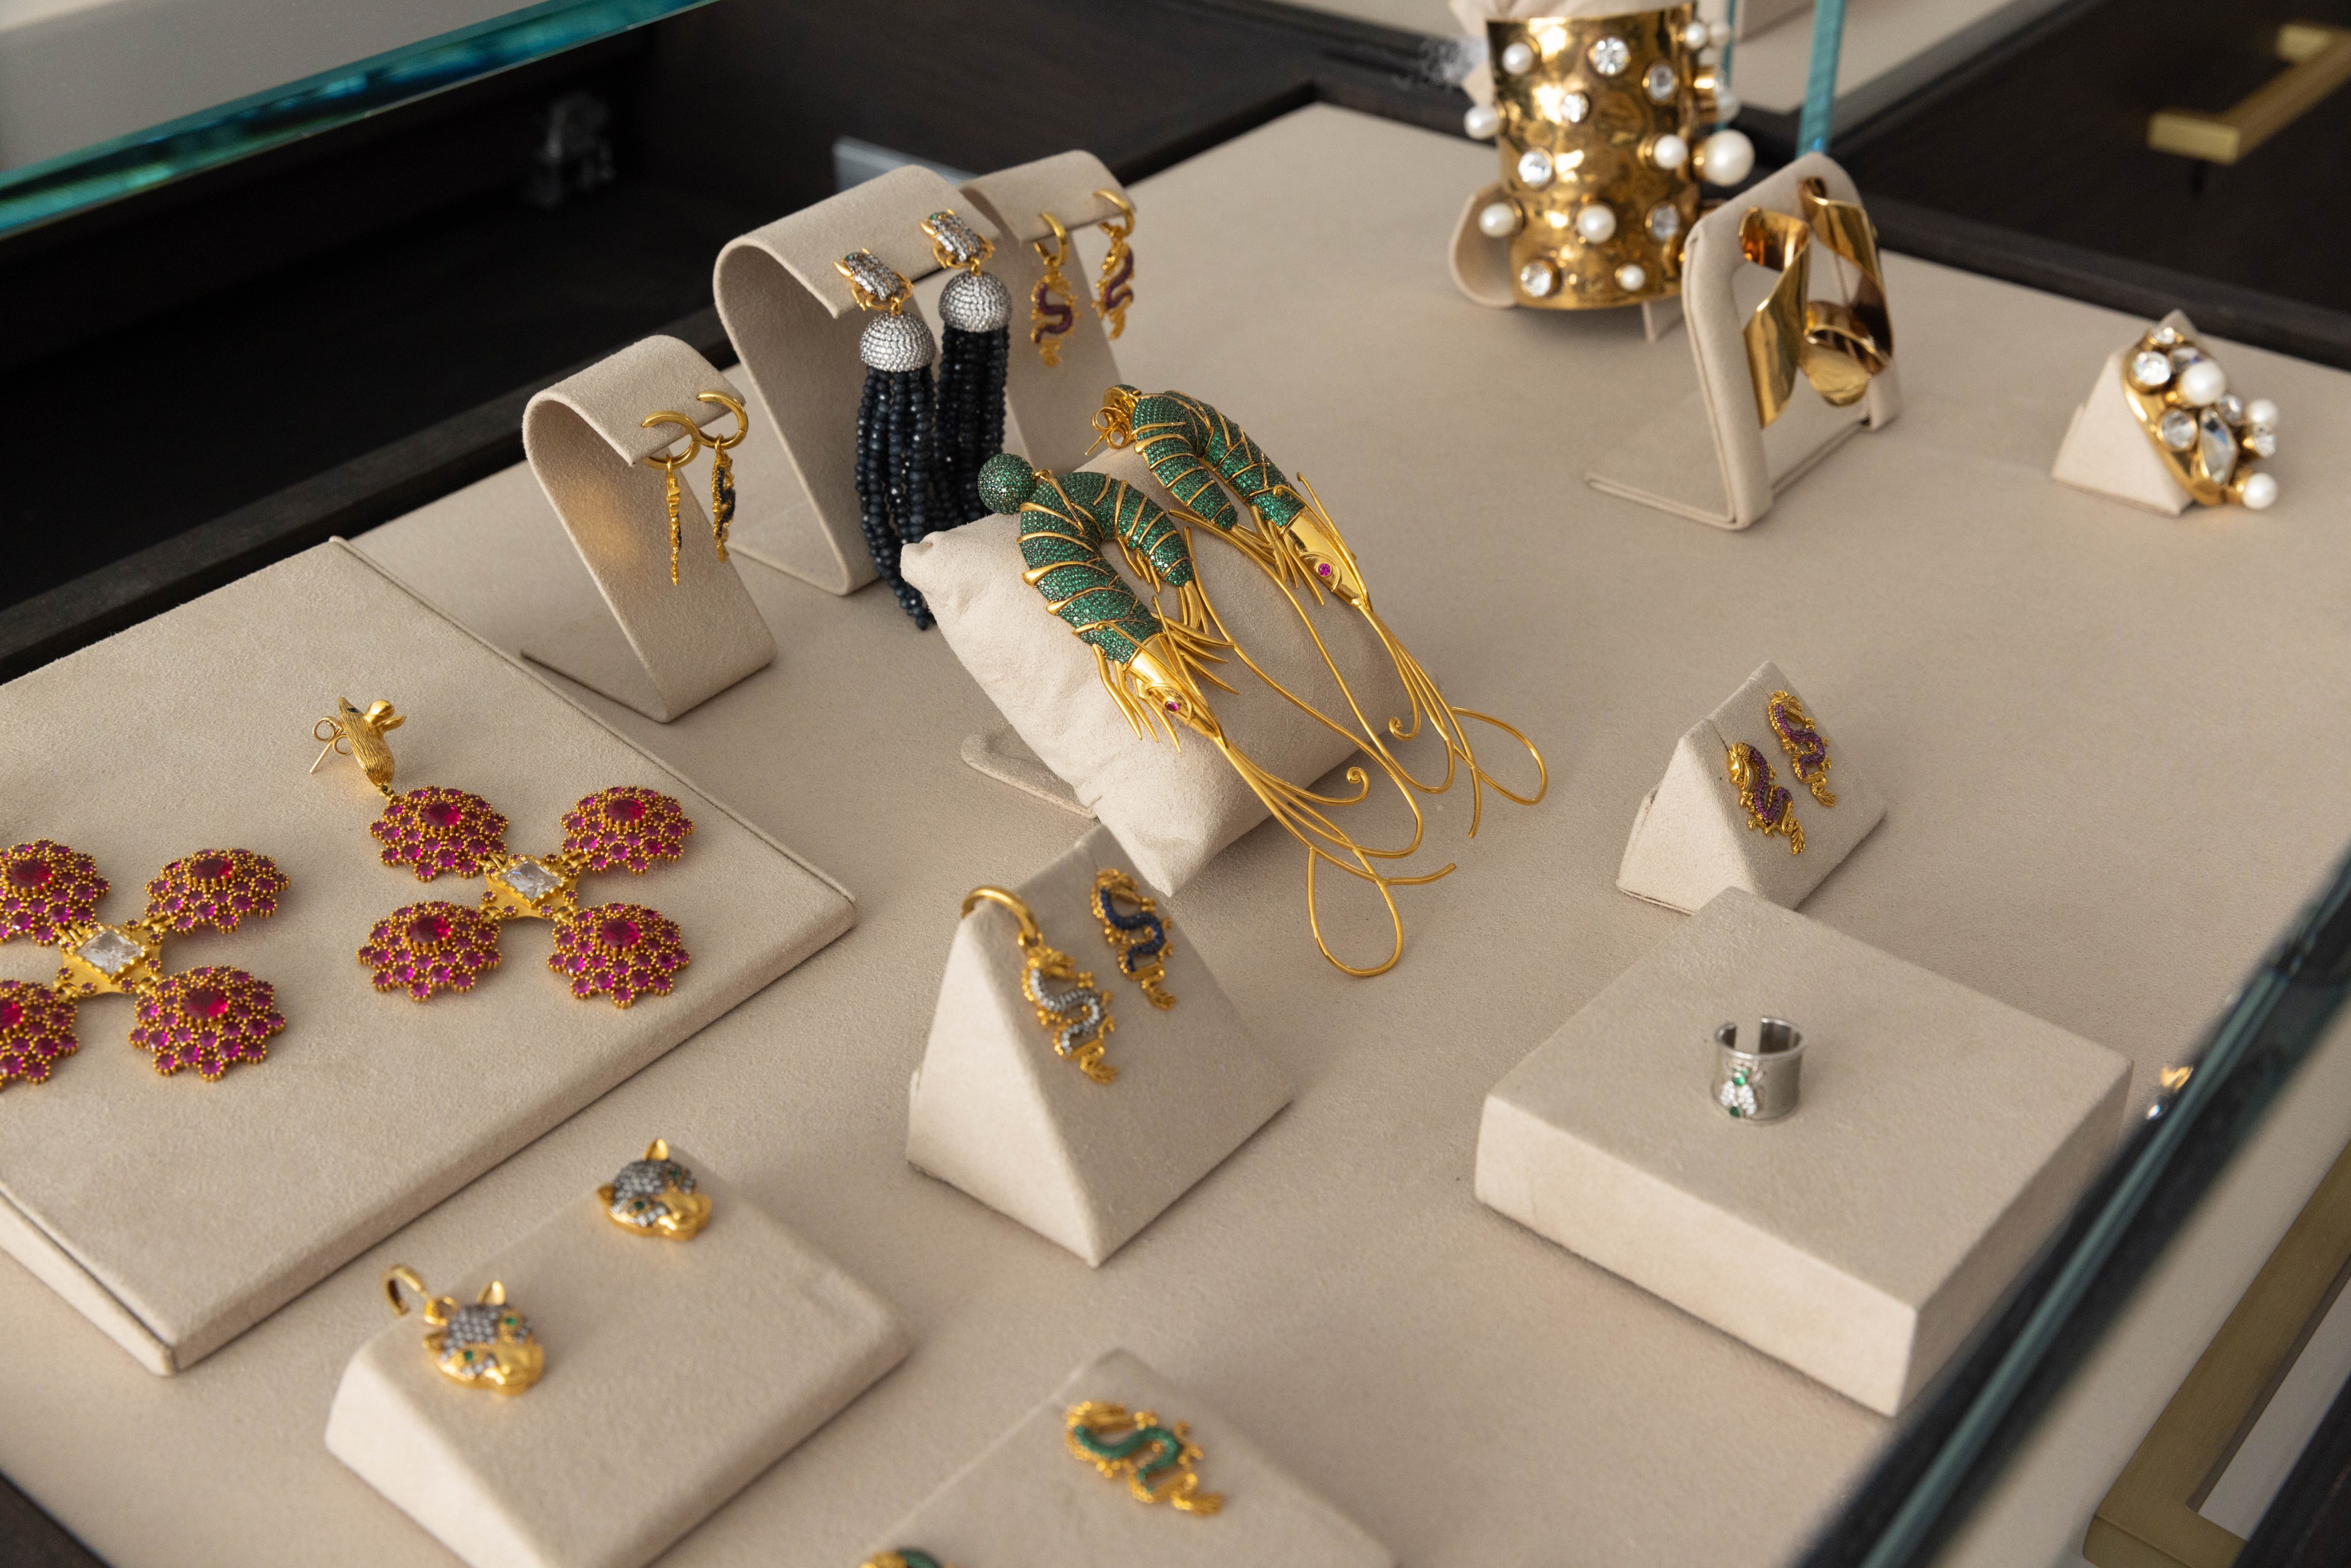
pixel 1759 1085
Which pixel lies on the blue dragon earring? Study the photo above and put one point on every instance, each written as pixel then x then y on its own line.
pixel 1137 934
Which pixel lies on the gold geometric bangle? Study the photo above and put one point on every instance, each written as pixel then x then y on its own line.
pixel 1073 1011
pixel 1837 348
pixel 2206 435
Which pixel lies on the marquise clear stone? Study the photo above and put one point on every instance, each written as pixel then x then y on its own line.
pixel 2218 447
pixel 2149 369
pixel 2178 430
pixel 1610 55
pixel 109 952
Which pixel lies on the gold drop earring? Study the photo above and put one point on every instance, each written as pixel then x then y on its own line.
pixel 1052 319
pixel 1116 291
pixel 722 472
pixel 669 466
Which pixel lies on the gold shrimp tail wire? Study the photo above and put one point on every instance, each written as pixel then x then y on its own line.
pixel 1316 827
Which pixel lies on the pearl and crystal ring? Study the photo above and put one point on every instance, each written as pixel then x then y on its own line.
pixel 2207 437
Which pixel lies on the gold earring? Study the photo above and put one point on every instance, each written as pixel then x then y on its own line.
pixel 656 1196
pixel 1116 291
pixel 487 1345
pixel 669 466
pixel 1140 939
pixel 1069 1006
pixel 722 469
pixel 1051 320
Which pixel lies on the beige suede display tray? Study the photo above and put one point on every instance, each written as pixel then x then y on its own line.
pixel 2034 676
pixel 675 1372
pixel 177 1213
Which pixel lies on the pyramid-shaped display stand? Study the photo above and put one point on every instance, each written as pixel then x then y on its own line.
pixel 2106 450
pixel 676 1371
pixel 1085 1164
pixel 1940 1137
pixel 1691 838
pixel 1711 458
pixel 1029 1500
pixel 675 645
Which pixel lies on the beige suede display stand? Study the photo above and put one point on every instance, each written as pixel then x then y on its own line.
pixel 1942 1137
pixel 1690 839
pixel 1085 1164
pixel 1029 1500
pixel 2106 450
pixel 1171 809
pixel 1050 410
pixel 796 324
pixel 1711 459
pixel 176 1214
pixel 680 643
pixel 675 1372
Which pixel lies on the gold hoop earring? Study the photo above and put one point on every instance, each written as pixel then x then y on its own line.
pixel 669 466
pixel 722 469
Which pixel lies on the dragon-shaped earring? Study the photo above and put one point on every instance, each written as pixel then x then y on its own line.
pixel 1769 809
pixel 621 950
pixel 1115 293
pixel 673 494
pixel 1137 934
pixel 1808 754
pixel 1198 452
pixel 488 1345
pixel 1071 1009
pixel 721 468
pixel 1051 320
pixel 1153 1458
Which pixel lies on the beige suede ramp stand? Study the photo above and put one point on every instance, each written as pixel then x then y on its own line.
pixel 1691 838
pixel 796 324
pixel 680 643
pixel 1051 408
pixel 1085 1164
pixel 1711 459
pixel 675 1372
pixel 2107 451
pixel 1942 1137
pixel 1171 810
pixel 176 1214
pixel 1029 1500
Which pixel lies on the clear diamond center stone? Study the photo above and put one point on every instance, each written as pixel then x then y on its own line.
pixel 109 952
pixel 530 879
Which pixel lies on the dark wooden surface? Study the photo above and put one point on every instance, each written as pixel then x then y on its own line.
pixel 31 1539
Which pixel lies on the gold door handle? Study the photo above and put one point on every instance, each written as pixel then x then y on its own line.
pixel 2321 60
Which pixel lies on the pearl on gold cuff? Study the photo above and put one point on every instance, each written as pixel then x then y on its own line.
pixel 1725 158
pixel 1595 223
pixel 1482 122
pixel 1499 220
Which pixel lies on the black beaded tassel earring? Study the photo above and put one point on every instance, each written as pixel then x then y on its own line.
pixel 899 488
pixel 974 351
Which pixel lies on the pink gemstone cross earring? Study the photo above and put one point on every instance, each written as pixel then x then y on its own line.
pixel 210 1018
pixel 623 951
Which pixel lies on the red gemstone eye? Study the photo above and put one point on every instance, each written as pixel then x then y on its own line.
pixel 29 873
pixel 12 1013
pixel 618 933
pixel 442 813
pixel 204 1002
pixel 429 928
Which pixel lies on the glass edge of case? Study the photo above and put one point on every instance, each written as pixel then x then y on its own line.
pixel 1944 1457
pixel 108 170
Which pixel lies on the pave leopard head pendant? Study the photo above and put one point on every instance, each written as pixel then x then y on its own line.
pixel 623 951
pixel 656 1196
pixel 488 1345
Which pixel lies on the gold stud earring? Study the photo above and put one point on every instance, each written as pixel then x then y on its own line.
pixel 487 1345
pixel 669 466
pixel 722 469
pixel 1116 291
pixel 656 1196
pixel 1052 319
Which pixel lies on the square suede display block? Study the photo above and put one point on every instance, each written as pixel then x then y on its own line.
pixel 1940 1137
pixel 675 1372
pixel 175 1213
